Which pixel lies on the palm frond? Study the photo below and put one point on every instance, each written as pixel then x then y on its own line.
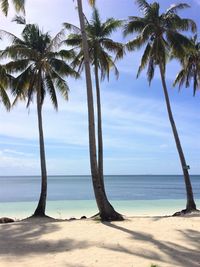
pixel 136 43
pixel 60 84
pixel 21 83
pixel 174 8
pixel 62 54
pixel 150 70
pixel 72 27
pixel 4 98
pixel 19 20
pixel 112 46
pixel 62 68
pixel 178 43
pixel 73 40
pixel 17 66
pixel 180 78
pixel 143 5
pixel 51 89
pixel 56 42
pixel 134 24
pixel 4 6
pixel 145 59
pixel 110 26
pixel 19 5
pixel 19 52
pixel 13 38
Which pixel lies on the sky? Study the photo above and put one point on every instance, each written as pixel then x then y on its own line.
pixel 136 130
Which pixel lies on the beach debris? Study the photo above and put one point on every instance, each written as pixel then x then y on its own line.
pixel 83 217
pixel 6 220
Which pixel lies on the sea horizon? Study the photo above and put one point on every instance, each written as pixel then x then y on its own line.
pixel 50 175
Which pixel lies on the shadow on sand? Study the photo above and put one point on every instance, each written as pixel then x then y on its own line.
pixel 24 238
pixel 177 255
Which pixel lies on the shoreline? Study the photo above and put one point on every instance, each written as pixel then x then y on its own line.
pixel 67 209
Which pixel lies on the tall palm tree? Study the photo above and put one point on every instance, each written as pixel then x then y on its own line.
pixel 190 67
pixel 18 5
pixel 106 211
pixel 42 70
pixel 161 33
pixel 100 46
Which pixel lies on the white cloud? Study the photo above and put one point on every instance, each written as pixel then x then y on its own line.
pixel 15 152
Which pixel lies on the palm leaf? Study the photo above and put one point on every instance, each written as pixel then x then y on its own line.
pixel 51 89
pixel 180 78
pixel 4 98
pixel 4 6
pixel 174 8
pixel 136 43
pixel 56 42
pixel 74 40
pixel 72 27
pixel 60 84
pixel 178 43
pixel 13 38
pixel 135 24
pixel 19 5
pixel 19 20
pixel 143 5
pixel 17 66
pixel 110 26
pixel 114 47
pixel 145 59
pixel 62 68
pixel 150 70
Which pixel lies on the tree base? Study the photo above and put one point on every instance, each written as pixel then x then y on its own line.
pixel 111 218
pixel 186 212
pixel 39 214
pixel 108 218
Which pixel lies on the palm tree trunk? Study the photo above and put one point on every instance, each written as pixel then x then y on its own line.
pixel 106 211
pixel 40 210
pixel 190 206
pixel 99 128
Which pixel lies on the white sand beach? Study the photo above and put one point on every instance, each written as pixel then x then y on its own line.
pixel 135 242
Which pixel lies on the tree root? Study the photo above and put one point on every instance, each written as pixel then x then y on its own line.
pixel 186 212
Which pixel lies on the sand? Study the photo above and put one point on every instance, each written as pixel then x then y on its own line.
pixel 135 242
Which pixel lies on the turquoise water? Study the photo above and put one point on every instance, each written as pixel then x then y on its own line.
pixel 72 196
pixel 77 208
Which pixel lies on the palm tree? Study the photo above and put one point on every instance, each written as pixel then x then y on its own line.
pixel 190 67
pixel 100 45
pixel 42 70
pixel 161 33
pixel 106 211
pixel 18 5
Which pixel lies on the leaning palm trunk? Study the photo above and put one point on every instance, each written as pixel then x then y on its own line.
pixel 190 206
pixel 99 128
pixel 40 210
pixel 107 212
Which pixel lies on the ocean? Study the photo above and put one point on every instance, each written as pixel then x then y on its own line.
pixel 72 196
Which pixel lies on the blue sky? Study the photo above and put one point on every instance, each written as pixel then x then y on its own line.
pixel 137 133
